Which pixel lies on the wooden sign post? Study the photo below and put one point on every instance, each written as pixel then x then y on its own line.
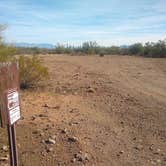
pixel 10 104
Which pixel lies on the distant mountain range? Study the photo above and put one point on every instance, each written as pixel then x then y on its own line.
pixel 40 45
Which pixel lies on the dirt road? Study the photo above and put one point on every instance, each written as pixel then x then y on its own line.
pixel 101 111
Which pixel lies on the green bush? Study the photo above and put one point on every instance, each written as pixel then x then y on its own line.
pixel 32 72
pixel 136 49
pixel 31 69
pixel 7 53
pixel 101 54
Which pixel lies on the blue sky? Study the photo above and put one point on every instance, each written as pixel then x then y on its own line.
pixel 109 22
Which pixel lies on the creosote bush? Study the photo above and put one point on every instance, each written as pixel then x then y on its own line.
pixel 7 53
pixel 32 71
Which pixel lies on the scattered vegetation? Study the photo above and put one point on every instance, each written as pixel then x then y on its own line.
pixel 31 69
pixel 32 72
pixel 150 49
pixel 6 53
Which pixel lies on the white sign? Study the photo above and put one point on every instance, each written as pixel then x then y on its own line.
pixel 13 106
pixel 13 99
pixel 14 115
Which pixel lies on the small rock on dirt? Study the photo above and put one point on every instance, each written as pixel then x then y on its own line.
pixel 33 117
pixel 42 115
pixel 64 131
pixel 43 141
pixel 121 152
pixel 72 139
pixel 155 151
pixel 158 150
pixel 158 161
pixel 50 141
pixel 5 148
pixel 42 134
pixel 73 160
pixel 90 90
pixel 81 156
pixel 43 154
pixel 138 147
pixel 49 149
pixel 35 132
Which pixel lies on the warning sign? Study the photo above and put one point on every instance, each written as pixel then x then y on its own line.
pixel 13 106
pixel 9 80
pixel 14 115
pixel 13 100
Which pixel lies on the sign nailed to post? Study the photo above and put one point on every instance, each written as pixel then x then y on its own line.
pixel 9 83
pixel 13 106
pixel 10 105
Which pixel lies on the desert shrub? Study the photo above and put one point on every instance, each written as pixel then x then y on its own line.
pixel 155 49
pixel 7 53
pixel 136 49
pixel 32 71
pixel 101 54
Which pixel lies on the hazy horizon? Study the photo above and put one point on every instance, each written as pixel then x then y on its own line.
pixel 109 22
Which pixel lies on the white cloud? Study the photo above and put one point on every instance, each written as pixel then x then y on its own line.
pixel 106 21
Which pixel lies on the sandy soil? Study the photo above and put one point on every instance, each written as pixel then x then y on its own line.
pixel 100 111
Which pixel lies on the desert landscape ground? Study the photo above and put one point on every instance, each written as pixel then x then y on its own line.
pixel 94 111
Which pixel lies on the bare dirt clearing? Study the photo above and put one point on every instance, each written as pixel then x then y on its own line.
pixel 95 111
